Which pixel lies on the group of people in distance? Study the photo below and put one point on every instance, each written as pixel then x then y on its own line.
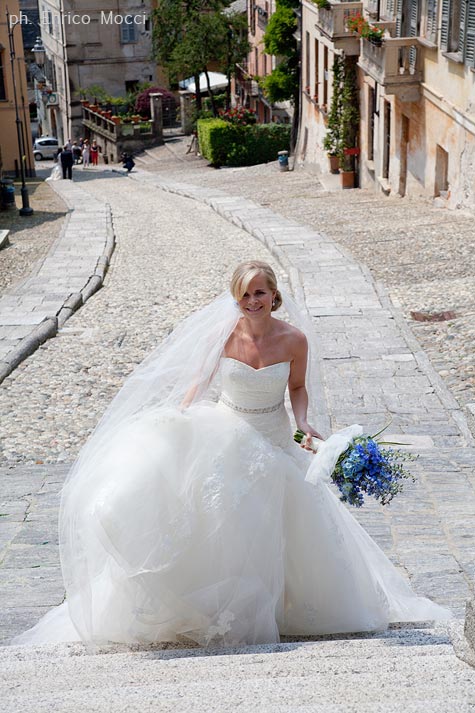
pixel 86 153
pixel 77 152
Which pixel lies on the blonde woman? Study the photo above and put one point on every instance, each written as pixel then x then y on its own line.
pixel 86 154
pixel 192 515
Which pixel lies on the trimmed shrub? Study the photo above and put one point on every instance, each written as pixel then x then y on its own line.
pixel 225 144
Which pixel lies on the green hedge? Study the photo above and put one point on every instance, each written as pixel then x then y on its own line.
pixel 225 144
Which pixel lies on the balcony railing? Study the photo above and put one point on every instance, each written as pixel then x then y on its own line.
pixel 332 21
pixel 396 64
pixel 107 128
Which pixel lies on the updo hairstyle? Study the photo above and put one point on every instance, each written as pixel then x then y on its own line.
pixel 247 271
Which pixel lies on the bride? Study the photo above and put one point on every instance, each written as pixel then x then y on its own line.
pixel 192 518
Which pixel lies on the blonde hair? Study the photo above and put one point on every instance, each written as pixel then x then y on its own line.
pixel 247 271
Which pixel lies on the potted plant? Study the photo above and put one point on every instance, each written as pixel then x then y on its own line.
pixel 349 126
pixel 115 119
pixel 360 26
pixel 332 140
pixel 322 4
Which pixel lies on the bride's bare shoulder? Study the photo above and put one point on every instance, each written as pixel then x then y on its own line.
pixel 291 334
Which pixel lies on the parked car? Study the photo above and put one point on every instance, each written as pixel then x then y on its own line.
pixel 45 147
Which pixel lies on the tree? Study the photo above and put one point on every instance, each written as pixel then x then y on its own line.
pixel 283 83
pixel 189 35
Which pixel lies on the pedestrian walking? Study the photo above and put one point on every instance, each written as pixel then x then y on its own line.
pixel 86 154
pixel 67 160
pixel 94 153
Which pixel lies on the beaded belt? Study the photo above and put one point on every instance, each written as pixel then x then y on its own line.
pixel 241 409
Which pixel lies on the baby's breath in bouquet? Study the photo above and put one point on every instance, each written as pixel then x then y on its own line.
pixel 367 468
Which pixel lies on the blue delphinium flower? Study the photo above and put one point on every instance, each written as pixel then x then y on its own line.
pixel 366 468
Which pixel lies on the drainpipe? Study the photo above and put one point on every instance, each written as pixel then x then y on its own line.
pixel 297 119
pixel 65 71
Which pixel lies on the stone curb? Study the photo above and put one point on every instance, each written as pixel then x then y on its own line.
pixel 48 328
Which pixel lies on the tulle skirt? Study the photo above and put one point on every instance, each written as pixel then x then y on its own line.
pixel 194 526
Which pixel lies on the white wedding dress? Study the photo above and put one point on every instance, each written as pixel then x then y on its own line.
pixel 213 525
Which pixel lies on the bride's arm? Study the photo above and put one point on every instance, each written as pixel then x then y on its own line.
pixel 297 390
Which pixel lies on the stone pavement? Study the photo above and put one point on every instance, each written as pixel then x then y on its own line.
pixel 370 367
pixel 73 269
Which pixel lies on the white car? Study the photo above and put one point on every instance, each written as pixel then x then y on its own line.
pixel 45 147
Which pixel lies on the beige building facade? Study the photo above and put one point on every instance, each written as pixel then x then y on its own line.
pixel 417 94
pixel 10 148
pixel 106 43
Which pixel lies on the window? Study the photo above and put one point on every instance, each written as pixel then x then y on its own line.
pixel 128 30
pixel 457 32
pixel 131 85
pixel 371 111
pixel 252 12
pixel 408 18
pixel 3 93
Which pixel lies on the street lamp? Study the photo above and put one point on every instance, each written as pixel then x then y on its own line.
pixel 25 203
pixel 39 52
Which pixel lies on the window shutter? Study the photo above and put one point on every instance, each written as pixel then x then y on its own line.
pixel 127 32
pixel 414 18
pixel 398 17
pixel 463 17
pixel 390 8
pixel 469 52
pixel 444 26
pixel 431 20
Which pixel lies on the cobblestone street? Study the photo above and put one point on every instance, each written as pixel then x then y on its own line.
pixel 180 228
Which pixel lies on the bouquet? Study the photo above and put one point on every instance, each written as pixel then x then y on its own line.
pixel 366 468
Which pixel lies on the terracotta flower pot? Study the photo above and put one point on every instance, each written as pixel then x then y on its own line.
pixel 347 179
pixel 334 162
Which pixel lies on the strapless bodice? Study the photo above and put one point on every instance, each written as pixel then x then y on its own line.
pixel 249 388
pixel 257 395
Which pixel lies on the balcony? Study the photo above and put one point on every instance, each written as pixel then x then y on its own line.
pixel 332 21
pixel 396 65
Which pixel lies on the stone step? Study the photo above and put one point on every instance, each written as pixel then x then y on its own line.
pixel 412 670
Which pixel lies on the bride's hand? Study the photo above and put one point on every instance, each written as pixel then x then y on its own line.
pixel 309 433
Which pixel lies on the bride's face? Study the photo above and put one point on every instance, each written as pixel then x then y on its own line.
pixel 256 302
